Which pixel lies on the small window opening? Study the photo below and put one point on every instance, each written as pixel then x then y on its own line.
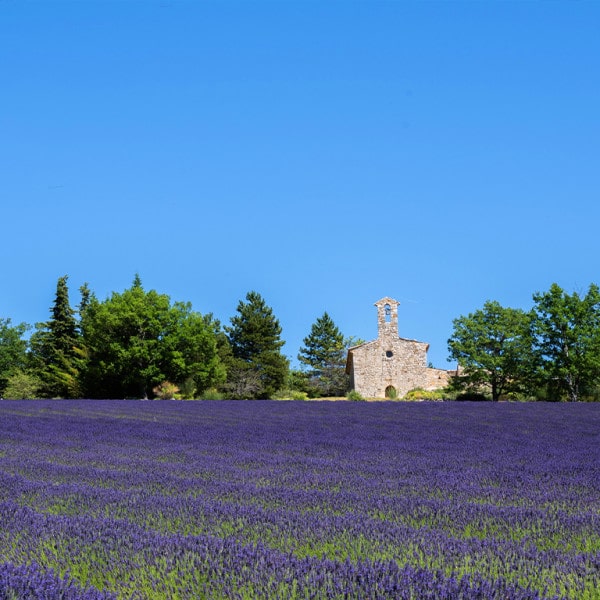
pixel 389 353
pixel 388 313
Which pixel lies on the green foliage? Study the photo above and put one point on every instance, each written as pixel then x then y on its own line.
pixel 129 344
pixel 421 394
pixel 87 296
pixel 391 393
pixel 353 341
pixel 552 352
pixel 136 340
pixel 192 344
pixel 354 396
pixel 13 351
pixel 211 394
pixel 55 348
pixel 254 329
pixel 288 394
pixel 166 391
pixel 62 325
pixel 324 353
pixel 493 348
pixel 566 331
pixel 300 381
pixel 256 369
pixel 22 384
pixel 187 389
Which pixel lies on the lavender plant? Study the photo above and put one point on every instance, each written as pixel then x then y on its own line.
pixel 302 500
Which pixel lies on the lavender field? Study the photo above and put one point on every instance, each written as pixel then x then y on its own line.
pixel 132 499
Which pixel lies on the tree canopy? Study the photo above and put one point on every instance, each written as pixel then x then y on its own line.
pixel 257 368
pixel 493 347
pixel 136 340
pixel 55 348
pixel 566 330
pixel 551 352
pixel 324 355
pixel 137 343
pixel 13 351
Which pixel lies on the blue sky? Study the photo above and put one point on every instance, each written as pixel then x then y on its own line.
pixel 324 154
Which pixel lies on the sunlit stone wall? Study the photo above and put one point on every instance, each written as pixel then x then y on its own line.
pixel 390 365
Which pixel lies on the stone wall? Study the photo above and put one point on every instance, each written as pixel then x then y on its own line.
pixel 400 363
pixel 392 362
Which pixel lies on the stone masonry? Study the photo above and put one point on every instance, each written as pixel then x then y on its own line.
pixel 390 366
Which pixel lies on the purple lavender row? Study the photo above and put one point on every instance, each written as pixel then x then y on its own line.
pixel 31 582
pixel 308 532
pixel 200 566
pixel 507 493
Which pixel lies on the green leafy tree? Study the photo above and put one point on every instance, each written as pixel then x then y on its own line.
pixel 324 355
pixel 13 350
pixel 257 368
pixel 194 352
pixel 566 329
pixel 137 340
pixel 493 349
pixel 55 348
pixel 22 384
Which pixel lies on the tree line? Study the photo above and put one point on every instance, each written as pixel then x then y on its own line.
pixel 140 344
pixel 551 352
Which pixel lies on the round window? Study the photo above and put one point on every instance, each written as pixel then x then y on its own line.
pixel 389 353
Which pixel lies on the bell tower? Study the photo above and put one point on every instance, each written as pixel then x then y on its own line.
pixel 387 318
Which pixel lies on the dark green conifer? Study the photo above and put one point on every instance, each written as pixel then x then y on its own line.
pixel 55 347
pixel 324 353
pixel 255 338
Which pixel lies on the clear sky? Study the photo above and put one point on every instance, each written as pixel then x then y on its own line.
pixel 325 154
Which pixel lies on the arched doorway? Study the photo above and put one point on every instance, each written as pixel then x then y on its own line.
pixel 390 392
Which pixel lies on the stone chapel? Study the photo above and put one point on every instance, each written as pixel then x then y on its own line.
pixel 391 366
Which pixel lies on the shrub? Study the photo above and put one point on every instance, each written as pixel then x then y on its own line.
pixel 421 394
pixel 290 395
pixel 187 389
pixel 211 394
pixel 391 393
pixel 354 396
pixel 166 390
pixel 22 385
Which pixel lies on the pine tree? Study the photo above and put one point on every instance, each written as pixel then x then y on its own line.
pixel 55 347
pixel 324 353
pixel 62 325
pixel 256 344
pixel 87 297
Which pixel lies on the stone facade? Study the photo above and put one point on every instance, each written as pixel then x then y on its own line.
pixel 390 366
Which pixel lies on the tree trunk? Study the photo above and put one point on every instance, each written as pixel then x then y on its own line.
pixel 495 393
